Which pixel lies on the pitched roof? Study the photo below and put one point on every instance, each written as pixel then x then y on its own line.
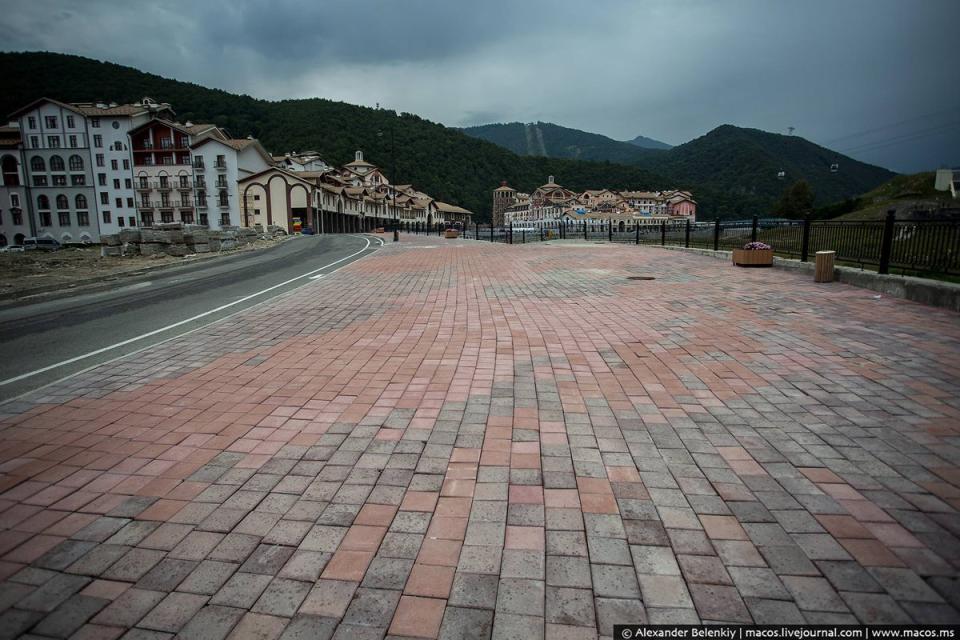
pixel 451 208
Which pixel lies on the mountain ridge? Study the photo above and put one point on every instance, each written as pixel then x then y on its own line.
pixel 731 171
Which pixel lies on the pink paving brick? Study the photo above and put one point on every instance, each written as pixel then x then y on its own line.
pixel 444 413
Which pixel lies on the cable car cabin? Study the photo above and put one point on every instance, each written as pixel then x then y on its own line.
pixel 781 174
pixel 834 168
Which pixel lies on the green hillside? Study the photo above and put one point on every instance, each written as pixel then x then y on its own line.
pixel 903 193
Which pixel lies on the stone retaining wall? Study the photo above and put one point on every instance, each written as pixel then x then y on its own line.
pixel 178 239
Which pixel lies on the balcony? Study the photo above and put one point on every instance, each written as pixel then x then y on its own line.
pixel 201 203
pixel 221 165
pixel 145 206
pixel 144 186
pixel 184 185
pixel 185 204
pixel 198 163
pixel 223 204
pixel 163 186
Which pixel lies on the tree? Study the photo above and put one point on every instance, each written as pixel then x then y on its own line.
pixel 796 201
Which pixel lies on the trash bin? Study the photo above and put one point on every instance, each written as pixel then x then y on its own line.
pixel 824 266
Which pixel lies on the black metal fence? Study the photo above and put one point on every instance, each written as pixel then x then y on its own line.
pixel 914 247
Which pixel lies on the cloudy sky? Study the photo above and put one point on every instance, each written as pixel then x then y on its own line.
pixel 876 79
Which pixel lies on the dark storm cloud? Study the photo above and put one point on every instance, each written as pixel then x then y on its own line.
pixel 668 69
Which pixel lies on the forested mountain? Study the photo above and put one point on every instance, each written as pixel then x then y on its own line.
pixel 731 171
pixel 739 169
pixel 442 161
pixel 554 141
pixel 649 143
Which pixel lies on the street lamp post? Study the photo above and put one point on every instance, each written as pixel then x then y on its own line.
pixel 393 175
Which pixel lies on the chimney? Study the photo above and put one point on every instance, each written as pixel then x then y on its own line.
pixel 359 156
pixel 188 124
pixel 550 180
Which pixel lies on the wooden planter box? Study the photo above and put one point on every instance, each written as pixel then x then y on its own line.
pixel 451 233
pixel 753 257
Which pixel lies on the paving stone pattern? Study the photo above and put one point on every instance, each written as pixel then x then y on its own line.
pixel 463 440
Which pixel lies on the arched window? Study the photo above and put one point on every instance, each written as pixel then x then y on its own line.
pixel 81 201
pixel 37 164
pixel 11 177
pixel 76 163
pixel 62 202
pixel 43 202
pixel 56 163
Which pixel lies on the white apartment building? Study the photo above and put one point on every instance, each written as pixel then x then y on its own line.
pixel 218 165
pixel 15 220
pixel 77 163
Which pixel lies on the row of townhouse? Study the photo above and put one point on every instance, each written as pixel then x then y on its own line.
pixel 356 197
pixel 76 171
pixel 552 203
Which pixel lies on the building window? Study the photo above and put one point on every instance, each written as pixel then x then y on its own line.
pixel 102 179
pixel 81 201
pixel 146 219
pixel 145 201
pixel 100 162
pixel 126 165
pixel 53 142
pixel 128 183
pixel 116 183
pixel 32 122
pixel 129 203
pixel 46 219
pixel 63 218
pixel 39 181
pixel 78 181
pixel 37 164
pixel 166 216
pixel 118 146
pixel 72 140
pixel 50 122
pixel 120 221
pixel 34 142
pixel 203 220
pixel 56 163
pixel 76 163
pixel 113 165
pixel 106 217
pixel 95 123
pixel 119 203
pixel 115 124
pixel 70 124
pixel 15 200
pixel 17 216
pixel 186 217
pixel 83 218
pixel 62 202
pixel 59 181
pixel 98 140
pixel 104 198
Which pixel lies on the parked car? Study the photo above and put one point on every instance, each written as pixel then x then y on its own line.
pixel 12 248
pixel 307 231
pixel 40 244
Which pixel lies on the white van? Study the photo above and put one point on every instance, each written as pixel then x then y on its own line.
pixel 40 244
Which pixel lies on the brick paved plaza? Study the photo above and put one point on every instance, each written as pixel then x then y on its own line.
pixel 457 439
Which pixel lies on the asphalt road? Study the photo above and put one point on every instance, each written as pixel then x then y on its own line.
pixel 48 340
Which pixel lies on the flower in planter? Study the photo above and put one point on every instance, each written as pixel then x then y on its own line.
pixel 753 246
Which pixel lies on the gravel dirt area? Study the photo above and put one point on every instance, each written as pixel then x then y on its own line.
pixel 22 273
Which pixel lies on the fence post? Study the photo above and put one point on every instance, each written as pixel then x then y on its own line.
pixel 663 233
pixel 584 229
pixel 753 229
pixel 886 243
pixel 805 240
pixel 510 234
pixel 636 228
pixel 610 230
pixel 523 236
pixel 686 235
pixel 716 234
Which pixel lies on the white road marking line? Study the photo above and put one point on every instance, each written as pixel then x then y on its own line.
pixel 318 276
pixel 96 352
